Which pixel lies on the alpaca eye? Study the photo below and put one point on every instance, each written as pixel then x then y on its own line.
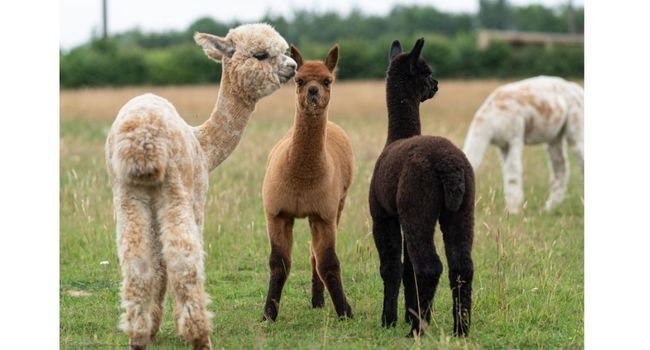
pixel 261 56
pixel 326 82
pixel 300 82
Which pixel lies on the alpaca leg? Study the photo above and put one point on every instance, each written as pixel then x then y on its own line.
pixel 410 295
pixel 183 254
pixel 388 240
pixel 317 286
pixel 559 162
pixel 427 267
pixel 280 230
pixel 575 137
pixel 323 235
pixel 512 175
pixel 418 208
pixel 134 243
pixel 458 232
pixel 159 286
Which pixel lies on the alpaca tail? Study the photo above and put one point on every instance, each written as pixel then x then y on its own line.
pixel 476 143
pixel 452 176
pixel 141 154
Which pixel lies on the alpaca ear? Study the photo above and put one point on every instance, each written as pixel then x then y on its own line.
pixel 395 49
pixel 415 53
pixel 295 54
pixel 332 58
pixel 214 47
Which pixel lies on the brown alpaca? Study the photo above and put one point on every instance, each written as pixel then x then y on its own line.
pixel 308 174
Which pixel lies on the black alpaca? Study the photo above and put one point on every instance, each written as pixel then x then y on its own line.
pixel 417 181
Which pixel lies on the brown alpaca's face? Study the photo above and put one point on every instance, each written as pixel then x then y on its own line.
pixel 314 81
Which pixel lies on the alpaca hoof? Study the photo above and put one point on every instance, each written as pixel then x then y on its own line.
pixel 388 320
pixel 134 346
pixel 138 343
pixel 317 303
pixel 270 312
pixel 267 318
pixel 462 330
pixel 202 344
pixel 347 313
pixel 549 206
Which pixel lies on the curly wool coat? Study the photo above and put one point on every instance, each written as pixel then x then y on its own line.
pixel 158 167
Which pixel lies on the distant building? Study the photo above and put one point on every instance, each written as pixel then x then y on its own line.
pixel 517 39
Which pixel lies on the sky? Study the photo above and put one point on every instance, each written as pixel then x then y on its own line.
pixel 80 18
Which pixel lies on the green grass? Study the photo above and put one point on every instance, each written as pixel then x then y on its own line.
pixel 528 284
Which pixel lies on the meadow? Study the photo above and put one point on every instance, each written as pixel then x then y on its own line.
pixel 528 282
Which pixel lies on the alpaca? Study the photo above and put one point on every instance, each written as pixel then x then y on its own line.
pixel 417 181
pixel 532 111
pixel 158 168
pixel 308 174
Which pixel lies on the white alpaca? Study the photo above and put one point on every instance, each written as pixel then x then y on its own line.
pixel 158 167
pixel 532 111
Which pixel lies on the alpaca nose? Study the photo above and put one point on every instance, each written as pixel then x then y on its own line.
pixel 289 62
pixel 313 90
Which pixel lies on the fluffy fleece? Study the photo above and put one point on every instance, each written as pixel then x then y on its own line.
pixel 308 174
pixel 158 168
pixel 538 110
pixel 419 180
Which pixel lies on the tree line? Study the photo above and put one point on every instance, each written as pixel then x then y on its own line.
pixel 136 57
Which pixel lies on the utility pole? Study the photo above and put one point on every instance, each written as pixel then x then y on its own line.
pixel 571 18
pixel 104 21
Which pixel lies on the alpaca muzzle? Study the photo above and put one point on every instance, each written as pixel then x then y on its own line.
pixel 288 69
pixel 432 89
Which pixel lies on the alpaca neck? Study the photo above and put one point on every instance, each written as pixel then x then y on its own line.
pixel 220 134
pixel 307 152
pixel 403 113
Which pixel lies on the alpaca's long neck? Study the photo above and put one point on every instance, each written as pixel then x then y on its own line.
pixel 220 134
pixel 403 113
pixel 307 157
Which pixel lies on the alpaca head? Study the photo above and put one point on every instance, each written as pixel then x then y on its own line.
pixel 314 80
pixel 410 73
pixel 254 63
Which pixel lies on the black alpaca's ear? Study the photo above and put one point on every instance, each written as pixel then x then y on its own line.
pixel 332 58
pixel 415 53
pixel 395 49
pixel 295 54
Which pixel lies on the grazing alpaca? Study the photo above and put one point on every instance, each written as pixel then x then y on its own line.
pixel 532 111
pixel 308 174
pixel 158 168
pixel 417 181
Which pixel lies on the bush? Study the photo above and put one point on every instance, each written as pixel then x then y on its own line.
pixel 100 64
pixel 110 63
pixel 185 64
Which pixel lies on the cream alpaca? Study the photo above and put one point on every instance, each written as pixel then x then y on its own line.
pixel 158 167
pixel 532 111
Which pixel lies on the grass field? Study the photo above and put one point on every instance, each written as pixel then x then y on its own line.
pixel 528 284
